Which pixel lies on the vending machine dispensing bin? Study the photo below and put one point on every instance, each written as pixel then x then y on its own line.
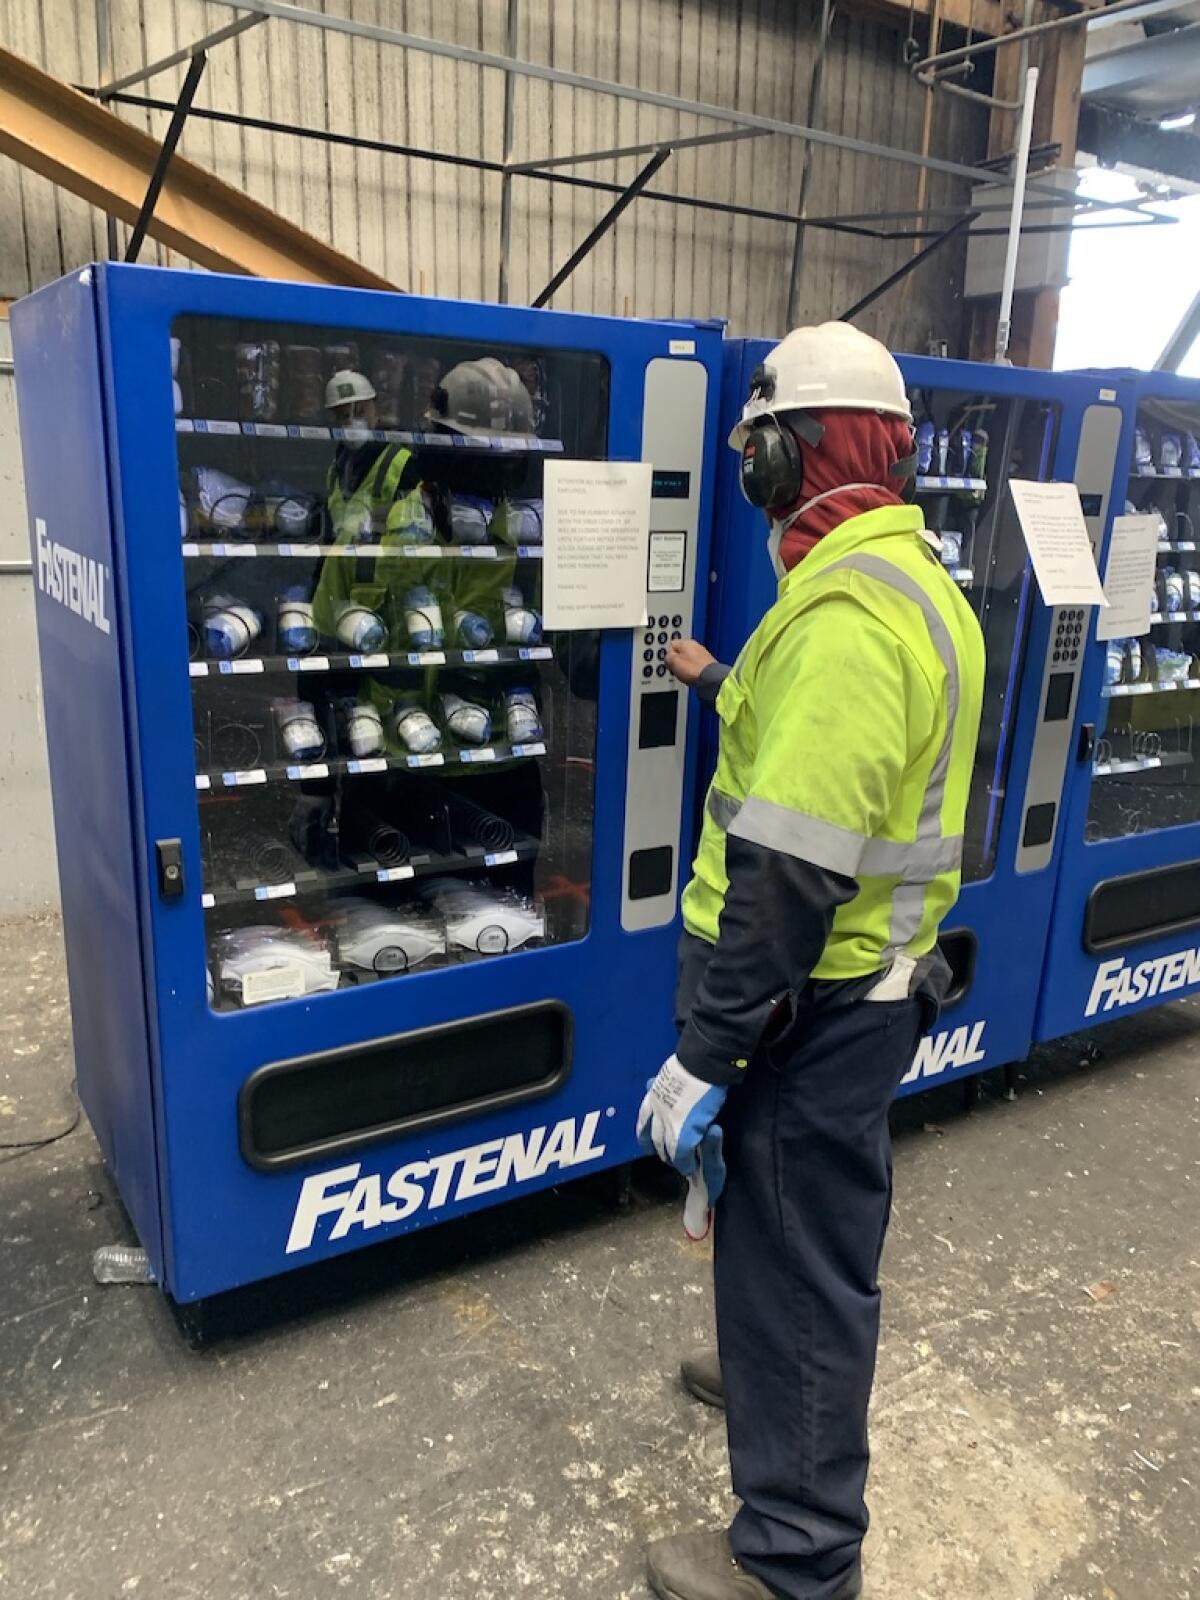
pixel 369 878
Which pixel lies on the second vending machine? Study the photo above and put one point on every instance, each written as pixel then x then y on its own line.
pixel 384 922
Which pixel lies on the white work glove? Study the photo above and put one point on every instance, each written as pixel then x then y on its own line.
pixel 677 1122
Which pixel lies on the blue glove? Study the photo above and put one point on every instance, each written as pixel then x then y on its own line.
pixel 704 1186
pixel 676 1124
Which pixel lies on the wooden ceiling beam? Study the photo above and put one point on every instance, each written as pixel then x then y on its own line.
pixel 70 139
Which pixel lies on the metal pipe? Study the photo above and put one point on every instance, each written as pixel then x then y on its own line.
pixel 1182 340
pixel 510 44
pixel 7 365
pixel 832 223
pixel 11 569
pixel 621 91
pixel 813 113
pixel 928 80
pixel 1127 10
pixel 1024 140
pixel 525 168
pixel 186 54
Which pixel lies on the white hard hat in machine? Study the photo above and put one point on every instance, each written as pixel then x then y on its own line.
pixel 831 365
pixel 346 387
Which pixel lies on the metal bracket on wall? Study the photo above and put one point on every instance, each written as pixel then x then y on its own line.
pixel 908 266
pixel 182 106
pixel 625 199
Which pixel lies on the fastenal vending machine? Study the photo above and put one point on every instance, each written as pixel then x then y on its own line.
pixel 1126 929
pixel 977 426
pixel 369 879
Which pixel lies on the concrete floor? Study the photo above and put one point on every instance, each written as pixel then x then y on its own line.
pixel 491 1409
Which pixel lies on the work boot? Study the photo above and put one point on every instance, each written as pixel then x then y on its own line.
pixel 702 1566
pixel 701 1373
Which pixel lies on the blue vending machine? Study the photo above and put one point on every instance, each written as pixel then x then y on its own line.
pixel 1126 927
pixel 977 427
pixel 370 885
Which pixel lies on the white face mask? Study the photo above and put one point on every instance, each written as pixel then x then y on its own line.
pixel 779 526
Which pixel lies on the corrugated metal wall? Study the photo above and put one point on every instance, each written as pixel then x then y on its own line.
pixel 436 227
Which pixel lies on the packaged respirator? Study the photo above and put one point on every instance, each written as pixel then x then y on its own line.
pixel 481 918
pixel 268 963
pixel 375 938
pixel 299 731
pixel 230 626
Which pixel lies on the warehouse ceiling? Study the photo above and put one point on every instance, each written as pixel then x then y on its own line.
pixel 1149 69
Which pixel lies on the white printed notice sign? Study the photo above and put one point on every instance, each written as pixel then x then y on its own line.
pixel 597 532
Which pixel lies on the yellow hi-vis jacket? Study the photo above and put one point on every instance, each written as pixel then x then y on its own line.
pixel 848 732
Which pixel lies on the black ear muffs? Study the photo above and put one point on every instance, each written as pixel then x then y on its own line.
pixel 772 466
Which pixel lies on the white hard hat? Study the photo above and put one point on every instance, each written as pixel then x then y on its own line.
pixel 347 386
pixel 832 365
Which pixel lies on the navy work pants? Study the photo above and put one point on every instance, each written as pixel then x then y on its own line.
pixel 798 1235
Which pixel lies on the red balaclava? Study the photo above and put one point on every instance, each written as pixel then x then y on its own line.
pixel 857 448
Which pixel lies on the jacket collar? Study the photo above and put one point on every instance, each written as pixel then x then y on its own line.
pixel 887 521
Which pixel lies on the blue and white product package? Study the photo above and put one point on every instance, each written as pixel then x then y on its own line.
pixel 413 727
pixel 423 618
pixel 223 501
pixel 359 628
pixel 943 451
pixel 299 731
pixel 926 434
pixel 471 630
pixel 523 722
pixel 1174 590
pixel 468 723
pixel 411 521
pixel 470 518
pixel 1143 456
pixel 296 628
pixel 230 626
pixel 522 624
pixel 1170 453
pixel 361 728
pixel 519 521
pixel 1171 666
pixel 951 549
pixel 291 514
pixel 1114 662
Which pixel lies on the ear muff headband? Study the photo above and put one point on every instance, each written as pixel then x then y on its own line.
pixel 772 467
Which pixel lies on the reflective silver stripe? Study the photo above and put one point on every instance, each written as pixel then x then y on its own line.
pixel 825 844
pixel 722 808
pixel 908 902
pixel 794 833
pixel 912 863
pixel 908 909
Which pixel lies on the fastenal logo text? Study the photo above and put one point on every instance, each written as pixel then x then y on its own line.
pixel 75 581
pixel 1123 983
pixel 953 1047
pixel 355 1201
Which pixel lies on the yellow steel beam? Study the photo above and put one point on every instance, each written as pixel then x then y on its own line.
pixel 70 139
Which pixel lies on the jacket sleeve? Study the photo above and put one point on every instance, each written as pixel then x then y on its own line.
pixel 708 684
pixel 840 705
